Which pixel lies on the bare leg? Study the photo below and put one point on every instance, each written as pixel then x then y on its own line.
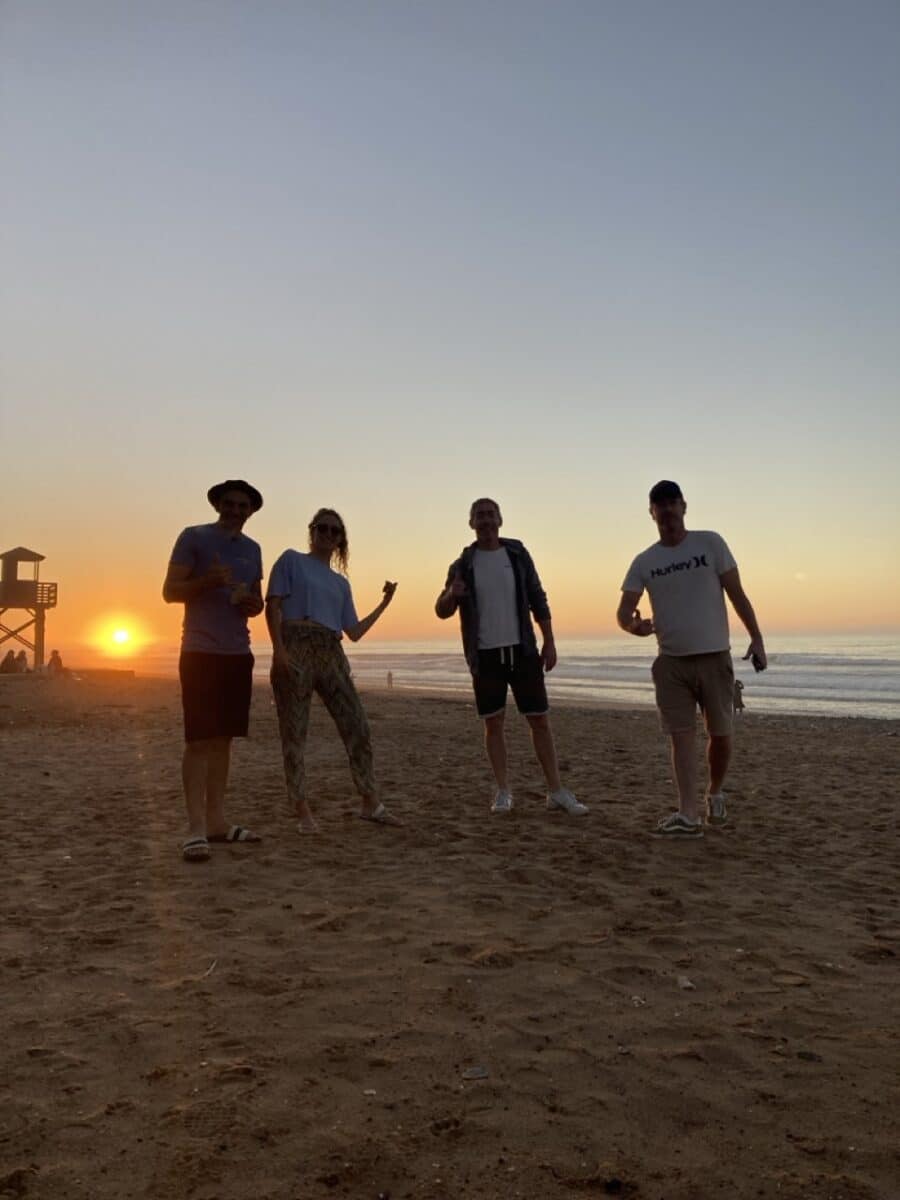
pixel 218 760
pixel 545 749
pixel 495 746
pixel 718 756
pixel 194 767
pixel 684 762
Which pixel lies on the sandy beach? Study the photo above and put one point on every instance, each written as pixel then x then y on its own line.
pixel 468 1007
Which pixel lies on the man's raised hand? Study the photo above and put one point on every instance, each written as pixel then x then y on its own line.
pixel 217 574
pixel 458 587
pixel 640 627
pixel 250 605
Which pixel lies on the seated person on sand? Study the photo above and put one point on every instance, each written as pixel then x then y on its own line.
pixel 55 668
pixel 21 663
pixel 308 606
pixel 8 666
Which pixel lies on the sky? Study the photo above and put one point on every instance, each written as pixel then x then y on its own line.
pixel 392 256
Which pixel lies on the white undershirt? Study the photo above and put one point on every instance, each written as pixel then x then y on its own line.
pixel 495 595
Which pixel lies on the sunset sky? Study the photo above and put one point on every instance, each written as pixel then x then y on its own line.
pixel 391 256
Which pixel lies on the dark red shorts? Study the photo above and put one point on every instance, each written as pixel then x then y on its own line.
pixel 215 694
pixel 509 668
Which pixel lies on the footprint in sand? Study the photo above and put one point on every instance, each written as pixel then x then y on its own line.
pixel 492 958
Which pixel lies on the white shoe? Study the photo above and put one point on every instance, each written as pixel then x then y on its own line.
pixel 716 813
pixel 566 801
pixel 677 825
pixel 502 802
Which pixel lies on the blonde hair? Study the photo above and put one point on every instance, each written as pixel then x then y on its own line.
pixel 342 550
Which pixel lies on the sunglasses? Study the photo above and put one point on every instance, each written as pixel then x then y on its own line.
pixel 324 528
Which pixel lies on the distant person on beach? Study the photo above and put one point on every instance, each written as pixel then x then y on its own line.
pixel 8 666
pixel 308 608
pixel 390 679
pixel 22 663
pixel 55 666
pixel 687 576
pixel 215 571
pixel 495 587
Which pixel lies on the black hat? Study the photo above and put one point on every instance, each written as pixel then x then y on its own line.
pixel 665 490
pixel 218 490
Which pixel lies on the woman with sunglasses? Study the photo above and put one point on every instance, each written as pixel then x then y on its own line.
pixel 308 607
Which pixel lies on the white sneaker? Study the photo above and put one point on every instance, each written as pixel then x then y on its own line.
pixel 677 825
pixel 566 801
pixel 716 813
pixel 502 802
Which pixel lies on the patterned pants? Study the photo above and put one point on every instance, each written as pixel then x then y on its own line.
pixel 318 664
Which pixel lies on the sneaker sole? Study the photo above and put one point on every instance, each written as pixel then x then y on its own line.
pixel 684 834
pixel 561 808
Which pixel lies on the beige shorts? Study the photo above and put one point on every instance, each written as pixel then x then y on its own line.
pixel 683 682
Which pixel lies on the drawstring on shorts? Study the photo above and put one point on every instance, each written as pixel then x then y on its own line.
pixel 508 650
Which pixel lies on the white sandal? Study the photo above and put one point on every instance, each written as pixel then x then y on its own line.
pixel 195 849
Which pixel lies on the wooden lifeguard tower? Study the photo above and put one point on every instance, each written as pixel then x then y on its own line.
pixel 30 594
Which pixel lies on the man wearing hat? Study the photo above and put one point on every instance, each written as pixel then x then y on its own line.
pixel 687 575
pixel 215 572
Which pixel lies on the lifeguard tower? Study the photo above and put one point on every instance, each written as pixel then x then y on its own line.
pixel 29 594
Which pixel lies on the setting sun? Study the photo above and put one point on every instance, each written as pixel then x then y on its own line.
pixel 118 635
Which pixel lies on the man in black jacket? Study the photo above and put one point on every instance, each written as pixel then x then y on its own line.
pixel 496 588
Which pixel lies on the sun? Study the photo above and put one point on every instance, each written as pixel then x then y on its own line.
pixel 120 639
pixel 118 635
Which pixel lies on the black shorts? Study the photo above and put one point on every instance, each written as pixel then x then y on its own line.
pixel 215 694
pixel 509 667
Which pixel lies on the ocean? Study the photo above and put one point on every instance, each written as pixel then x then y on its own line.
pixel 818 675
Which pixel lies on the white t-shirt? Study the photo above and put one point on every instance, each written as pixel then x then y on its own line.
pixel 686 595
pixel 495 597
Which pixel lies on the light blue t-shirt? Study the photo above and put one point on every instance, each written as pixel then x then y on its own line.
pixel 310 591
pixel 212 623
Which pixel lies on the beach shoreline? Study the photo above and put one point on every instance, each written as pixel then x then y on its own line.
pixel 462 1007
pixel 462 696
pixel 836 675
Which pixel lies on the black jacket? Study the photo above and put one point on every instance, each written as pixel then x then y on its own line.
pixel 530 598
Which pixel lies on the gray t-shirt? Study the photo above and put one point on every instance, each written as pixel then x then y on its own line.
pixel 212 624
pixel 495 596
pixel 685 590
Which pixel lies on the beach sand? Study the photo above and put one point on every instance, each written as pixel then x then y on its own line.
pixel 532 1006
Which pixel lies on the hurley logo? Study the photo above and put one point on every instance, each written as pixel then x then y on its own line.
pixel 696 560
